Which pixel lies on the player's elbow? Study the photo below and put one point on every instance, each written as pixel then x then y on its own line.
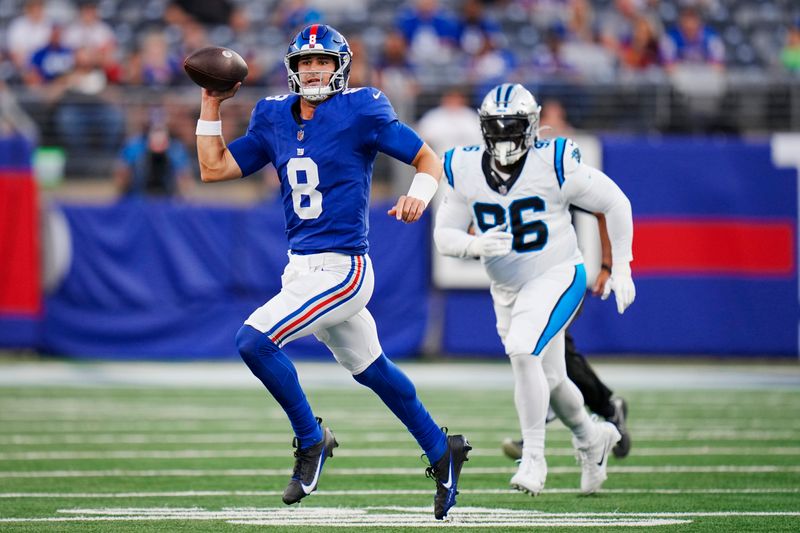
pixel 212 173
pixel 443 239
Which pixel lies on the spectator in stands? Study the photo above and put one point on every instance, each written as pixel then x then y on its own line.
pixel 493 64
pixel 207 11
pixel 361 71
pixel 153 163
pixel 153 65
pixel 581 21
pixel 692 42
pixel 544 14
pixel 452 123
pixel 295 14
pixel 431 33
pixel 89 30
pixel 694 57
pixel 28 33
pixel 549 59
pixel 86 120
pixel 641 50
pixel 790 55
pixel 582 48
pixel 52 61
pixel 396 76
pixel 553 118
pixel 246 40
pixel 475 26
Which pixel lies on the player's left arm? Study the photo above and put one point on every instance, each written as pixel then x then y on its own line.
pixel 397 140
pixel 592 190
pixel 606 261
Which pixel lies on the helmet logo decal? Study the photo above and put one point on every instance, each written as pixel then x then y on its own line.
pixel 312 37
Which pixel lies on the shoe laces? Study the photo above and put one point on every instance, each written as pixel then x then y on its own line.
pixel 431 470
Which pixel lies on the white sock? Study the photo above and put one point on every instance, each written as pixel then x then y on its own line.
pixel 531 397
pixel 567 402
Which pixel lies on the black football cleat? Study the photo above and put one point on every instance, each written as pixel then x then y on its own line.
pixel 623 447
pixel 446 472
pixel 308 466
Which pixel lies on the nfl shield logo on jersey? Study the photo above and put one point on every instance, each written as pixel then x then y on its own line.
pixel 300 135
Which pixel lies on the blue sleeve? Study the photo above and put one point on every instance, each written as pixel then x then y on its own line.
pixel 399 141
pixel 249 151
pixel 385 131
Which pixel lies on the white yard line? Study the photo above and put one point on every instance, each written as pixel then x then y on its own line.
pixel 380 492
pixel 366 452
pixel 487 376
pixel 389 516
pixel 188 472
pixel 132 433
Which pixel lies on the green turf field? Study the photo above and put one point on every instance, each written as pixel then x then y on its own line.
pixel 97 458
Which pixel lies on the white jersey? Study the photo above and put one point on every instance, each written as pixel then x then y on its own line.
pixel 534 204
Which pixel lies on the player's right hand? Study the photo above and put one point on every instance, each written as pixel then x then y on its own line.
pixel 621 283
pixel 221 95
pixel 494 243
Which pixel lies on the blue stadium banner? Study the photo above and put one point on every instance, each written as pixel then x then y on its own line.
pixel 161 279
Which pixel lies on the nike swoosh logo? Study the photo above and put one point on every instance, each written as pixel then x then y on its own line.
pixel 449 477
pixel 376 95
pixel 310 487
pixel 603 458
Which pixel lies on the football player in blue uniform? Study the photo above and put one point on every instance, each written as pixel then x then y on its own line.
pixel 322 139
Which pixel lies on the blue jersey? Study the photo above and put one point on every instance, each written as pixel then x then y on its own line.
pixel 325 164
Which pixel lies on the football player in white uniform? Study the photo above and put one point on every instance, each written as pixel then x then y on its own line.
pixel 517 191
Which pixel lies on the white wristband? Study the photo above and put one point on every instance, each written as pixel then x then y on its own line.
pixel 423 187
pixel 209 127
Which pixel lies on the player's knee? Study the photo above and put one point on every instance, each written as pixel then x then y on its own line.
pixel 554 378
pixel 251 343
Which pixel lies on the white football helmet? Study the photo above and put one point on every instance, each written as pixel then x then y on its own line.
pixel 509 118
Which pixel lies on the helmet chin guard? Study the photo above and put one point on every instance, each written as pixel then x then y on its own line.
pixel 319 39
pixel 509 116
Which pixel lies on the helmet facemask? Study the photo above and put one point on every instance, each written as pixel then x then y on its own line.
pixel 507 137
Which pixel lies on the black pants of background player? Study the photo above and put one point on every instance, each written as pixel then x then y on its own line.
pixel 596 395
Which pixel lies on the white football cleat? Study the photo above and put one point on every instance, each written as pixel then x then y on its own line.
pixel 594 457
pixel 531 475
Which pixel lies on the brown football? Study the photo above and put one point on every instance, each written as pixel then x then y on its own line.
pixel 215 68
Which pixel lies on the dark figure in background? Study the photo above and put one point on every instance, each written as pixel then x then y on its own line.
pixel 154 163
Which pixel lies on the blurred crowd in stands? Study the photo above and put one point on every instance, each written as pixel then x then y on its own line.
pixel 73 63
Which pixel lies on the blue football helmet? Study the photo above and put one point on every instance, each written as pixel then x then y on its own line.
pixel 319 39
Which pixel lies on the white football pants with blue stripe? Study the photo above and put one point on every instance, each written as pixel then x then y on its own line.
pixel 326 295
pixel 531 322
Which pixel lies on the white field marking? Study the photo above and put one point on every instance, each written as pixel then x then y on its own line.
pixel 363 452
pixel 376 492
pixel 228 435
pixel 349 517
pixel 390 516
pixel 264 472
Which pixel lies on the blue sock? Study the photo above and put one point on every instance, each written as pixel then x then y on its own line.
pixel 271 365
pixel 399 394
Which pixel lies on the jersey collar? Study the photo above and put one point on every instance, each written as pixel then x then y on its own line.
pixel 493 179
